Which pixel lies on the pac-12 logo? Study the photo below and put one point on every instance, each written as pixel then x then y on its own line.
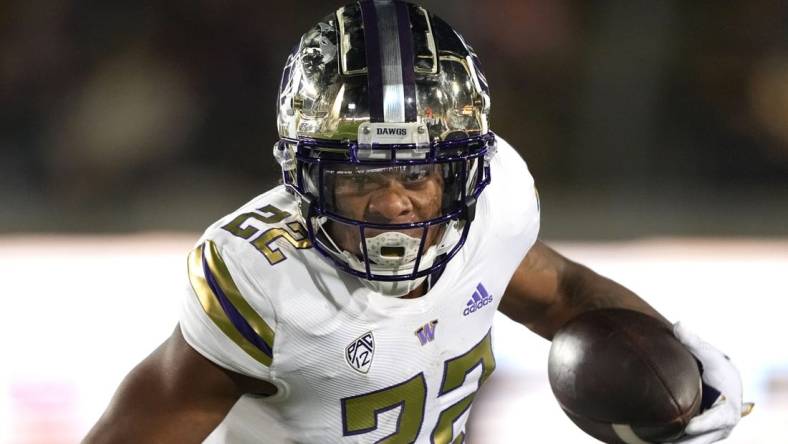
pixel 392 131
pixel 359 353
pixel 479 299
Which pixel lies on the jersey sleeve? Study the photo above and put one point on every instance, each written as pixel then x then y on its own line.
pixel 224 316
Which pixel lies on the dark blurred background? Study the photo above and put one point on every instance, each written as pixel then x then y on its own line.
pixel 637 118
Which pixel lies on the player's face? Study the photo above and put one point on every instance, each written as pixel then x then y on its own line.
pixel 394 195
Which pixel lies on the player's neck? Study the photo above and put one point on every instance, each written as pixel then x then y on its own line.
pixel 425 286
pixel 416 292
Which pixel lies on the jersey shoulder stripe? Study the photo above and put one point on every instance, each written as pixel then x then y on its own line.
pixel 223 302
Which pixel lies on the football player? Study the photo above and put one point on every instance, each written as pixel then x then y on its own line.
pixel 354 302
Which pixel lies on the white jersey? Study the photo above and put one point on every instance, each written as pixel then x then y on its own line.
pixel 351 365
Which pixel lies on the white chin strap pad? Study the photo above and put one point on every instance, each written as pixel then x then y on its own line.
pixel 392 249
pixel 393 253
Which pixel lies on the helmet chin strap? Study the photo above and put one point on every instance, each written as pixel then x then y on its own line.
pixel 397 250
pixel 395 289
pixel 393 253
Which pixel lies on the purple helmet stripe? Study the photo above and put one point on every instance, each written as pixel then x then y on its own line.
pixel 407 58
pixel 374 73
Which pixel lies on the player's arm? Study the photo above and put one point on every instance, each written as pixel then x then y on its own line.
pixel 174 395
pixel 548 289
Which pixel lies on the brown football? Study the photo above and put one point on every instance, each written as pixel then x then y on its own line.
pixel 623 377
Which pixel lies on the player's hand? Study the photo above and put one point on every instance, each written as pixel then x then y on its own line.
pixel 722 379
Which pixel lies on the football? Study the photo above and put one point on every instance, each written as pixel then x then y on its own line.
pixel 623 377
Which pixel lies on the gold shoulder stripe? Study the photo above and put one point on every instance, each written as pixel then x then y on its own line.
pixel 212 307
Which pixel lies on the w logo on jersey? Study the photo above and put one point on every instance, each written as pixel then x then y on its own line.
pixel 359 353
pixel 426 333
pixel 479 299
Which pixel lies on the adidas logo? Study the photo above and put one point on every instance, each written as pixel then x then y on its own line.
pixel 479 299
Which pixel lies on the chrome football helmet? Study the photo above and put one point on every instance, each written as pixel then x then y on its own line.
pixel 383 92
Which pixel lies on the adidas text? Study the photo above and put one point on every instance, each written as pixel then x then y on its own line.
pixel 472 308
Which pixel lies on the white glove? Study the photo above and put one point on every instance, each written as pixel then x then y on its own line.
pixel 717 422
